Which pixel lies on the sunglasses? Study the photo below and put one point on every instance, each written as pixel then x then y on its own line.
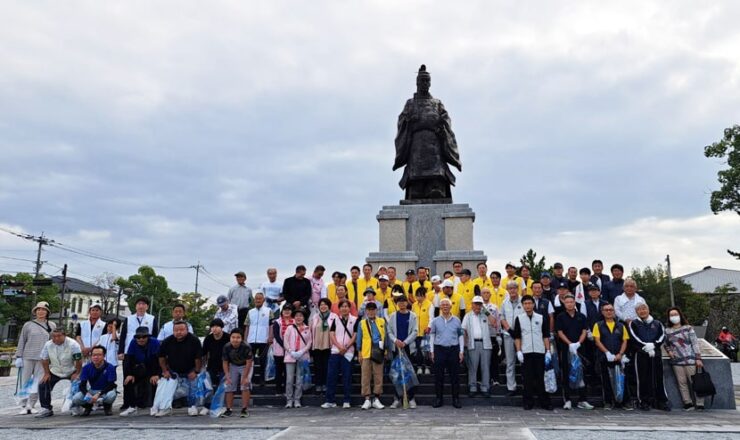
pixel 140 337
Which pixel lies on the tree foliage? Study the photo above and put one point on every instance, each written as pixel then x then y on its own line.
pixel 19 307
pixel 727 198
pixel 147 283
pixel 536 267
pixel 653 286
pixel 199 312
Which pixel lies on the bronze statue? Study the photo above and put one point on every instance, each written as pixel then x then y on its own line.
pixel 426 145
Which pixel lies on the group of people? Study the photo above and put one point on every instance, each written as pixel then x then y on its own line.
pixel 567 330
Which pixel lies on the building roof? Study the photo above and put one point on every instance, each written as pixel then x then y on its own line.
pixel 709 278
pixel 75 285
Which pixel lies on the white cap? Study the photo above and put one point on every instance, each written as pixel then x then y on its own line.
pixel 436 279
pixel 383 278
pixel 447 283
pixel 477 299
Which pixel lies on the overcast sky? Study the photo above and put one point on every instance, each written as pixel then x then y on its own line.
pixel 255 134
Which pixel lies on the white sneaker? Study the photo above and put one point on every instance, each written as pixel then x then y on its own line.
pixel 395 403
pixel 296 404
pixel 419 371
pixel 328 405
pixel 128 412
pixel 412 404
pixel 24 411
pixel 568 405
pixel 33 411
pixel 193 411
pixel 585 405
pixel 289 404
pixel 427 371
pixel 367 404
pixel 377 404
pixel 163 412
pixel 205 411
pixel 346 405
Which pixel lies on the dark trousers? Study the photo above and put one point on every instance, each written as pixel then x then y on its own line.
pixel 138 394
pixel 564 357
pixel 279 375
pixel 589 352
pixel 241 317
pixel 338 363
pixel 630 375
pixel 46 388
pixel 320 366
pixel 419 359
pixel 533 370
pixel 495 361
pixel 446 359
pixel 606 384
pixel 260 359
pixel 649 372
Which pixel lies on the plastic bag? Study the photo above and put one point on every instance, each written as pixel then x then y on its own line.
pixel 270 369
pixel 575 375
pixel 22 395
pixel 304 369
pixel 217 402
pixel 616 379
pixel 74 388
pixel 425 348
pixel 165 393
pixel 402 374
pixel 201 390
pixel 551 381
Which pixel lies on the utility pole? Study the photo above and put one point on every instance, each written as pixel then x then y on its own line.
pixel 670 279
pixel 41 241
pixel 62 312
pixel 197 273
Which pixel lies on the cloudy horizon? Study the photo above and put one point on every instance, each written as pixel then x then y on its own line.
pixel 252 135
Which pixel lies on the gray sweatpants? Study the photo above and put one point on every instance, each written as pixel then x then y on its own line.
pixel 293 382
pixel 510 362
pixel 479 358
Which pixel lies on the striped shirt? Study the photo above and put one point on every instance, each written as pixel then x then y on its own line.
pixel 32 339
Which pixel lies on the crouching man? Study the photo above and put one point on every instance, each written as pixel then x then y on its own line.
pixel 97 383
pixel 180 356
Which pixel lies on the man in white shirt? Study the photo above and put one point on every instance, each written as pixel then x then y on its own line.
pixel 625 304
pixel 89 331
pixel 476 325
pixel 178 314
pixel 61 359
pixel 510 309
pixel 272 289
pixel 257 330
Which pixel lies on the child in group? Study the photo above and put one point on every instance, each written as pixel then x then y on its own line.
pixel 237 358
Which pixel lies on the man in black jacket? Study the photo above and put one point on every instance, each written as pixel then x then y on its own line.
pixel 297 289
pixel 140 371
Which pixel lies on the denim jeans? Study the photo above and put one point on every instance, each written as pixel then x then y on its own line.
pixel 337 363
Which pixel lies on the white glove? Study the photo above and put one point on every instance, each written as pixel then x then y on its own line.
pixel 520 356
pixel 651 353
pixel 649 347
pixel 573 348
pixel 499 340
pixel 625 360
pixel 295 354
pixel 590 335
pixel 609 357
pixel 19 363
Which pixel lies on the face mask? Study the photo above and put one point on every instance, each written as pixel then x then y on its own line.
pixel 675 319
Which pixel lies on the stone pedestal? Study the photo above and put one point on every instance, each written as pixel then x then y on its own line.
pixel 717 365
pixel 431 235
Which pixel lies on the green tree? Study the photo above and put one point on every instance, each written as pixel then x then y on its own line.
pixel 147 283
pixel 199 312
pixel 19 307
pixel 724 311
pixel 653 286
pixel 536 267
pixel 727 198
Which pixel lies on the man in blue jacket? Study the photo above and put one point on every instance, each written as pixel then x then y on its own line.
pixel 97 382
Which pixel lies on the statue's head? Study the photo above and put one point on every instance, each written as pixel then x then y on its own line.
pixel 423 80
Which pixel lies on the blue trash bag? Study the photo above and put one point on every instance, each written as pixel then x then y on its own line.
pixel 24 391
pixel 201 390
pixel 217 402
pixel 616 379
pixel 425 348
pixel 575 375
pixel 304 369
pixel 402 373
pixel 555 363
pixel 74 388
pixel 270 368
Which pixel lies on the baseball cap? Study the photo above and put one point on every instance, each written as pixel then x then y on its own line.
pixel 477 300
pixel 436 279
pixel 383 278
pixel 447 283
pixel 221 300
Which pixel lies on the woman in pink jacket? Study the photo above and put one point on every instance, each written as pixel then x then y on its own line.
pixel 279 326
pixel 297 341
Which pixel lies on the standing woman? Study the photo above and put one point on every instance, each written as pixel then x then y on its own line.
pixel 682 346
pixel 321 349
pixel 343 331
pixel 109 340
pixel 34 335
pixel 278 346
pixel 297 343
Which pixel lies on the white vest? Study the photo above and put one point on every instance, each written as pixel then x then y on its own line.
pixel 133 322
pixel 111 347
pixel 61 361
pixel 90 335
pixel 531 333
pixel 259 325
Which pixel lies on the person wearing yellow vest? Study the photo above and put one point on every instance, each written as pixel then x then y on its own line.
pixel 354 293
pixel 526 279
pixel 422 280
pixel 498 291
pixel 482 280
pixel 424 311
pixel 392 280
pixel 383 292
pixel 371 334
pixel 512 276
pixel 409 283
pixel 389 305
pixel 466 288
pixel 457 302
pixel 367 279
pixel 331 289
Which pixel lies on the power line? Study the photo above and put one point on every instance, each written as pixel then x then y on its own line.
pixel 213 278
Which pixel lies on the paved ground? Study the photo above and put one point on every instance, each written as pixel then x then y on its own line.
pixel 422 423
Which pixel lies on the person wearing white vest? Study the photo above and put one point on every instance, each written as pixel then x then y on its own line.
pixel 510 309
pixel 110 341
pixel 61 359
pixel 139 319
pixel 89 331
pixel 257 328
pixel 178 314
pixel 532 340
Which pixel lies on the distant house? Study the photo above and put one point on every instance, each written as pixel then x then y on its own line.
pixel 709 278
pixel 80 295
